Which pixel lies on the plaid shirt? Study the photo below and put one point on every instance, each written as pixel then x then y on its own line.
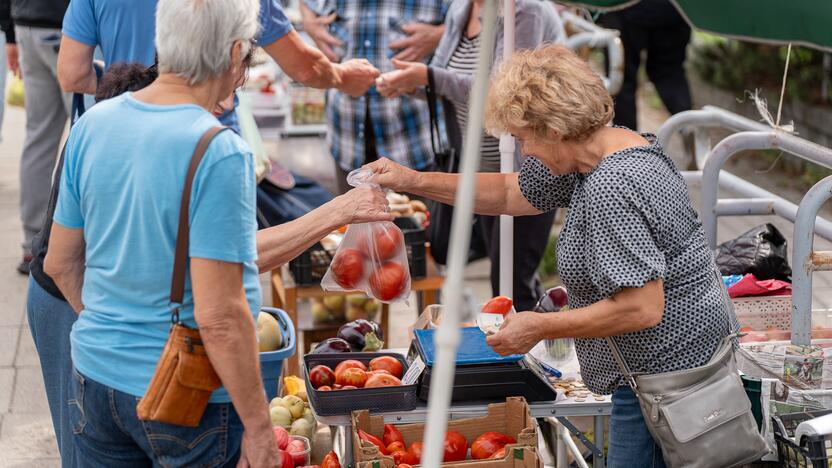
pixel 401 126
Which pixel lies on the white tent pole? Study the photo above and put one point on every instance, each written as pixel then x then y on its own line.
pixel 447 337
pixel 507 167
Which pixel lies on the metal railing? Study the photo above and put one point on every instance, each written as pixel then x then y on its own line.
pixel 591 35
pixel 755 136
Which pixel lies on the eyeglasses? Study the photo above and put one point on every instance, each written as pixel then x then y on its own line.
pixel 245 64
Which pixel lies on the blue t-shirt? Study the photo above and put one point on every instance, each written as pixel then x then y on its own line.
pixel 125 29
pixel 124 170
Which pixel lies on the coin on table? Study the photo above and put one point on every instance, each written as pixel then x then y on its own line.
pixel 580 400
pixel 599 398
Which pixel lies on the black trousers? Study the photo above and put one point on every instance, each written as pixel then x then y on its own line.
pixel 531 233
pixel 656 27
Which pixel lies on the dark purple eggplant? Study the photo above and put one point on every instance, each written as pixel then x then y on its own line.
pixel 362 335
pixel 332 345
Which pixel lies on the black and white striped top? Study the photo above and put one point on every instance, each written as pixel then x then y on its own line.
pixel 464 60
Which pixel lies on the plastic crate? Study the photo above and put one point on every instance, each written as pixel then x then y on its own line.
pixel 764 312
pixel 309 268
pixel 271 363
pixel 811 453
pixel 343 402
pixel 415 240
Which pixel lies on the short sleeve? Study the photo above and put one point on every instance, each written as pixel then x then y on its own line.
pixel 223 217
pixel 622 250
pixel 544 190
pixel 273 23
pixel 80 23
pixel 68 207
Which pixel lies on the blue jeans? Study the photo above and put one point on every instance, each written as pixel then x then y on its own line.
pixel 109 434
pixel 630 444
pixel 50 321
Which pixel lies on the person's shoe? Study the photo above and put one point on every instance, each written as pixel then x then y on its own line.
pixel 23 267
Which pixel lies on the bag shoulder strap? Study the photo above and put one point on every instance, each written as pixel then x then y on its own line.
pixel 180 259
pixel 436 142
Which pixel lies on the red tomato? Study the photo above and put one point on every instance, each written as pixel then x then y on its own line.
pixel 388 281
pixel 286 459
pixel 296 449
pixel 337 386
pixel 392 434
pixel 398 457
pixel 366 437
pixel 498 305
pixel 382 380
pixel 330 460
pixel 281 436
pixel 348 387
pixel 456 447
pixel 321 376
pixel 499 454
pixel 397 446
pixel 380 371
pixel 352 376
pixel 404 465
pixel 489 442
pixel 414 454
pixel 387 240
pixel 347 364
pixel 325 388
pixel 348 268
pixel 388 363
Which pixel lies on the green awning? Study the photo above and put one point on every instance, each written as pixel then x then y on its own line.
pixel 800 22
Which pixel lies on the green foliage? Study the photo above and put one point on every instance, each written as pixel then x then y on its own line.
pixel 549 263
pixel 740 66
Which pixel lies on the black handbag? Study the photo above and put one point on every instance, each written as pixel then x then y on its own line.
pixel 446 159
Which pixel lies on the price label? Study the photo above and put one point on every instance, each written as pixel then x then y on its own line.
pixel 413 373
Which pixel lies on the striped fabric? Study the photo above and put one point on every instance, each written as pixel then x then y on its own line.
pixel 402 125
pixel 464 60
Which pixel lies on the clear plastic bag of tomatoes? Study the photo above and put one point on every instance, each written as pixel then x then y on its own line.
pixel 371 258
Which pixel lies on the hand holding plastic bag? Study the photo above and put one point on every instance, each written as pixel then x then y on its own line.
pixel 371 258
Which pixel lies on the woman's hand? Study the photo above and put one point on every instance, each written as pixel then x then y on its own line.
pixel 519 333
pixel 406 78
pixel 392 175
pixel 363 205
pixel 259 449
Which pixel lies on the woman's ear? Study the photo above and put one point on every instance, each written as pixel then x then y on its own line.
pixel 237 55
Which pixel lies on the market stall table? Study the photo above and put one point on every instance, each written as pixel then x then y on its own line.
pixel 542 411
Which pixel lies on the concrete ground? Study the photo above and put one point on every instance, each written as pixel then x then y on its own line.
pixel 26 435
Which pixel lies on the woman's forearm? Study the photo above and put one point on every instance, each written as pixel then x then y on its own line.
pixel 277 245
pixel 231 344
pixel 70 282
pixel 629 311
pixel 495 193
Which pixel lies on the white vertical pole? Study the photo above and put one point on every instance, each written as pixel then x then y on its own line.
pixel 447 337
pixel 507 167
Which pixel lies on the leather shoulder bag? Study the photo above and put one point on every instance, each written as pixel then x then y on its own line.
pixel 184 377
pixel 700 417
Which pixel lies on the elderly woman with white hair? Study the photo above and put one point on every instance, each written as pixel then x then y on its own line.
pixel 113 241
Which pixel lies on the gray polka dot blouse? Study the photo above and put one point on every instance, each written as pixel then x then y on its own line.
pixel 630 222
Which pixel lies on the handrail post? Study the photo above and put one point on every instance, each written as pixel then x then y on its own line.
pixel 805 260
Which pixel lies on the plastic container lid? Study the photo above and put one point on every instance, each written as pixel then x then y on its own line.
pixel 472 348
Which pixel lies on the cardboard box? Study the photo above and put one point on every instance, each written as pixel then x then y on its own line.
pixel 516 457
pixel 511 418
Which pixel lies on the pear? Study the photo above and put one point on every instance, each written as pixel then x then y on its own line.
pixel 302 427
pixel 295 405
pixel 334 303
pixel 309 416
pixel 280 416
pixel 356 299
pixel 320 314
pixel 277 401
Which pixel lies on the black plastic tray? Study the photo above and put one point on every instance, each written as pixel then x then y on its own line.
pixel 344 402
pixel 489 382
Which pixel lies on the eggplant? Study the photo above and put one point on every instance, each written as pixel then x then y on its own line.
pixel 332 345
pixel 362 335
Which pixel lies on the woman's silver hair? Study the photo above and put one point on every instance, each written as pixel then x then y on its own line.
pixel 194 37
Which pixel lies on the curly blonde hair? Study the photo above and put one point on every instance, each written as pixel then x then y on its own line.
pixel 550 91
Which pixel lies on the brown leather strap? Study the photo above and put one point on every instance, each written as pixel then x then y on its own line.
pixel 180 259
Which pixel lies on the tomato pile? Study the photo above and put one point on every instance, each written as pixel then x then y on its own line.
pixel 294 451
pixel 384 371
pixel 371 258
pixel 487 445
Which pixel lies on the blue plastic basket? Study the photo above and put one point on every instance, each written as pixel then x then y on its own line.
pixel 271 363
